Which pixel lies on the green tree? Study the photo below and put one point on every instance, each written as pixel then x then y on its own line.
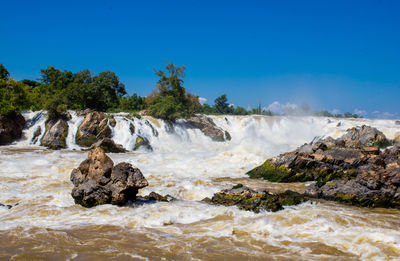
pixel 221 105
pixel 4 74
pixel 170 100
pixel 13 96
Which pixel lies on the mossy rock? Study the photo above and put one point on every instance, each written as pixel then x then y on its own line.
pixel 270 172
pixel 381 201
pixel 142 142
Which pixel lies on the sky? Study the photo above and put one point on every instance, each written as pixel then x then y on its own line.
pixel 340 56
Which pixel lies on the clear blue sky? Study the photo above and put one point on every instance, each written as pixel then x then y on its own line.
pixel 341 55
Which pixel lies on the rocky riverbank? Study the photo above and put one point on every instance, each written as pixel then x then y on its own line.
pixel 353 168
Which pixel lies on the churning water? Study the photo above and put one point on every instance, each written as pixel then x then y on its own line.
pixel 46 224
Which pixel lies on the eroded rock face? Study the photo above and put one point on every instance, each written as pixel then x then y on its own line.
pixel 55 134
pixel 248 199
pixel 11 126
pixel 97 181
pixel 93 128
pixel 142 142
pixel 348 169
pixel 208 127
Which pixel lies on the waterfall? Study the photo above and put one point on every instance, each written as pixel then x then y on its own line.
pixel 250 134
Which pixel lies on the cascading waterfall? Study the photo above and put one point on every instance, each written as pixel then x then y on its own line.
pixel 73 125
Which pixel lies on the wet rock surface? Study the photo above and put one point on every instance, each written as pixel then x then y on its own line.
pixel 153 196
pixel 108 145
pixel 349 169
pixel 208 127
pixel 11 126
pixel 247 199
pixel 55 134
pixel 97 181
pixel 142 142
pixel 93 128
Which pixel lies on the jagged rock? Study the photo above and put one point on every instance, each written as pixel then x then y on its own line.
pixel 55 134
pixel 348 169
pixel 11 126
pixel 84 112
pixel 208 127
pixel 108 145
pixel 142 142
pixel 93 128
pixel 157 197
pixel 248 199
pixel 36 134
pixel 358 137
pixel 96 181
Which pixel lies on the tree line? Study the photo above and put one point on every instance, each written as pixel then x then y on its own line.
pixel 58 91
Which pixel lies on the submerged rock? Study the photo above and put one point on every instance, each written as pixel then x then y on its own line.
pixel 93 128
pixel 11 126
pixel 97 181
pixel 348 169
pixel 6 206
pixel 157 197
pixel 208 127
pixel 36 134
pixel 55 134
pixel 248 199
pixel 108 145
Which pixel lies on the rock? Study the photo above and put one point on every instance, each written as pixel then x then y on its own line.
pixel 112 122
pixel 108 145
pixel 364 136
pixel 84 112
pixel 93 128
pixel 11 126
pixel 348 169
pixel 153 130
pixel 36 134
pixel 208 127
pixel 142 112
pixel 397 122
pixel 248 199
pixel 132 128
pixel 142 142
pixel 157 197
pixel 55 134
pixel 96 181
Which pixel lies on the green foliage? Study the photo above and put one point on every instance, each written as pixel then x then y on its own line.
pixel 269 172
pixel 131 103
pixel 4 74
pixel 221 105
pixel 170 99
pixel 13 96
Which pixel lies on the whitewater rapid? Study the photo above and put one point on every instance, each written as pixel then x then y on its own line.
pixel 188 165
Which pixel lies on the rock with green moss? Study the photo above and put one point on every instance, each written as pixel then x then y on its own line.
pixel 93 128
pixel 55 134
pixel 251 200
pixel 142 142
pixel 348 169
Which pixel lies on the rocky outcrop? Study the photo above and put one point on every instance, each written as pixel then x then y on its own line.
pixel 11 126
pixel 108 145
pixel 97 181
pixel 248 199
pixel 55 134
pixel 208 127
pixel 93 128
pixel 347 169
pixel 142 142
pixel 153 196
pixel 36 134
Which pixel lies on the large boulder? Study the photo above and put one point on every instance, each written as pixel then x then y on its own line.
pixel 347 169
pixel 93 128
pixel 248 199
pixel 11 126
pixel 97 181
pixel 142 142
pixel 208 127
pixel 55 134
